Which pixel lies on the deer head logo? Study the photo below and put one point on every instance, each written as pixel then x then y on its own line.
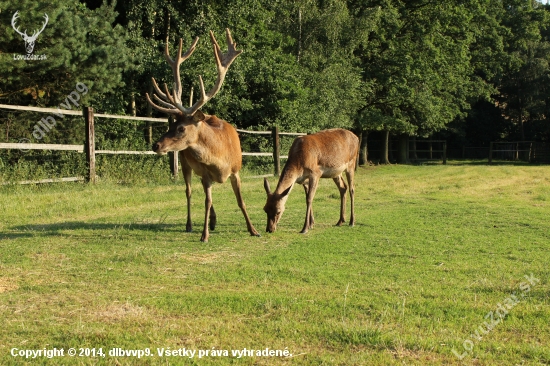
pixel 29 40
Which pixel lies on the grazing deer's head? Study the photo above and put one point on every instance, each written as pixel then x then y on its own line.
pixel 275 206
pixel 185 131
pixel 29 40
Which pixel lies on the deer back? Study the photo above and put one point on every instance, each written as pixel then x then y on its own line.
pixel 327 150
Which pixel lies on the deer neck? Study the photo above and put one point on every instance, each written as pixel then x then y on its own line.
pixel 201 148
pixel 289 176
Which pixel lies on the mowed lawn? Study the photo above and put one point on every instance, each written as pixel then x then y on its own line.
pixel 436 255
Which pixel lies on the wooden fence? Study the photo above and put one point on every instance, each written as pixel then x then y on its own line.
pixel 89 146
pixel 428 150
pixel 521 150
pixel 515 150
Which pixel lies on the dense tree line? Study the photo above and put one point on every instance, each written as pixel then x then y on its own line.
pixel 474 69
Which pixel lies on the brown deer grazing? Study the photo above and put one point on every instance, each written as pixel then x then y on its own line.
pixel 207 145
pixel 325 154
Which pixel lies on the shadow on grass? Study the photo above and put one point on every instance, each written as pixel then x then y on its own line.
pixel 485 162
pixel 58 229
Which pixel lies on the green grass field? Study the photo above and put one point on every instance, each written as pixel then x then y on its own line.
pixel 437 253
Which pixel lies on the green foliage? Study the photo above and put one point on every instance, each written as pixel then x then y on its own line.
pixel 80 45
pixel 417 62
pixel 17 166
pixel 408 67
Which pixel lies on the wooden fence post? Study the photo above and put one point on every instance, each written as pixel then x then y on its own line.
pixel 173 156
pixel 490 152
pixel 174 161
pixel 148 132
pixel 276 151
pixel 89 146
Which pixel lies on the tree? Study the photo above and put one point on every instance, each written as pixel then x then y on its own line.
pixel 523 91
pixel 297 70
pixel 511 55
pixel 416 61
pixel 80 46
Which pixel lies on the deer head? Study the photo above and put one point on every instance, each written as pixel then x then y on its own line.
pixel 29 40
pixel 274 206
pixel 185 130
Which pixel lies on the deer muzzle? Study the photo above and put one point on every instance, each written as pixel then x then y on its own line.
pixel 271 226
pixel 157 148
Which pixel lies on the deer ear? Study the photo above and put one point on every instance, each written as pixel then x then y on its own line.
pixel 198 116
pixel 266 186
pixel 286 191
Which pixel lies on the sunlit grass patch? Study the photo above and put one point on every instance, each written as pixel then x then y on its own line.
pixel 434 249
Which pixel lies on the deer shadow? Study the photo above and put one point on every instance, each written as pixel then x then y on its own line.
pixel 72 228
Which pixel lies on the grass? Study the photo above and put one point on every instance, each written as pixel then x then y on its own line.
pixel 435 249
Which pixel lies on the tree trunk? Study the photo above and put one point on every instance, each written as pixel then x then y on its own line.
pixel 299 51
pixel 363 152
pixel 390 150
pixel 403 149
pixel 415 154
pixel 385 147
pixel 148 133
pixel 522 128
pixel 133 104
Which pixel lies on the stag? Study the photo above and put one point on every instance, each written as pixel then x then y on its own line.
pixel 207 145
pixel 326 154
pixel 29 40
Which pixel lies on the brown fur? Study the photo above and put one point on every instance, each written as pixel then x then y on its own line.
pixel 326 154
pixel 210 147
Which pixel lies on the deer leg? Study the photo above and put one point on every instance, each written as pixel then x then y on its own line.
pixel 343 189
pixel 236 184
pixel 212 215
pixel 187 174
pixel 309 199
pixel 212 218
pixel 311 219
pixel 350 175
pixel 207 185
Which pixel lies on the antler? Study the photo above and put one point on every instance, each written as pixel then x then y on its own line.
pixel 36 33
pixel 13 20
pixel 24 35
pixel 172 102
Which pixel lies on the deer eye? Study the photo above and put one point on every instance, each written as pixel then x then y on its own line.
pixel 181 129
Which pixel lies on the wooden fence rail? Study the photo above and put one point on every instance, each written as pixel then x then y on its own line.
pixel 89 146
pixel 527 147
pixel 413 150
